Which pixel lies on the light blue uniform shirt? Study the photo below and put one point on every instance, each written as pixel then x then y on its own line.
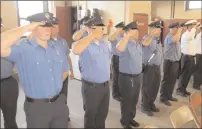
pixel 149 50
pixel 94 62
pixel 63 43
pixel 40 70
pixel 130 61
pixel 172 50
pixel 115 42
pixel 6 68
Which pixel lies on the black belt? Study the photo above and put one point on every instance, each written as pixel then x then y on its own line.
pixel 172 61
pixel 95 84
pixel 4 79
pixel 189 55
pixel 129 75
pixel 46 100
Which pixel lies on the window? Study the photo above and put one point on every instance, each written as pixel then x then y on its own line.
pixel 27 8
pixel 193 5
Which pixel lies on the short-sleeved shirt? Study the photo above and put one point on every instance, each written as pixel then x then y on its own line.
pixel 188 45
pixel 6 68
pixel 130 61
pixel 40 70
pixel 154 47
pixel 172 50
pixel 94 62
pixel 115 42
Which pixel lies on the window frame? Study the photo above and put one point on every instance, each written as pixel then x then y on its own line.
pixel 45 9
pixel 187 6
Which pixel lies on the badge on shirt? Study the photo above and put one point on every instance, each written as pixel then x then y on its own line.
pixel 57 52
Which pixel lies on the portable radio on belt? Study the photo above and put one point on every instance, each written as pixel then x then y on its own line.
pixel 145 65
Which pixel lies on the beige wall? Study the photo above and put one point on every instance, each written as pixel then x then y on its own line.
pixel 138 7
pixel 9 17
pixel 163 10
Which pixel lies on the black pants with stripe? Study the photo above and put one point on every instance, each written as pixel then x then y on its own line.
pixel 65 87
pixel 115 74
pixel 198 71
pixel 150 86
pixel 9 97
pixel 96 99
pixel 130 89
pixel 187 67
pixel 170 70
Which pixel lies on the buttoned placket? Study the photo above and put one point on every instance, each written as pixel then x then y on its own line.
pixel 50 69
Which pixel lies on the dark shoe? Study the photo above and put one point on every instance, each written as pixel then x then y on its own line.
pixel 155 109
pixel 166 102
pixel 181 94
pixel 187 93
pixel 118 98
pixel 147 112
pixel 126 126
pixel 69 119
pixel 134 123
pixel 173 99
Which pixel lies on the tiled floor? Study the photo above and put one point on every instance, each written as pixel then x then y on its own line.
pixel 160 119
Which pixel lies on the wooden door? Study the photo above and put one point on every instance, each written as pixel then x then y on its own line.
pixel 64 16
pixel 142 24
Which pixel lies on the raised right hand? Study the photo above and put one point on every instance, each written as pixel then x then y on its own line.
pixel 119 30
pixel 33 25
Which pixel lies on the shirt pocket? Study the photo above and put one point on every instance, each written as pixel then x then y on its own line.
pixel 58 62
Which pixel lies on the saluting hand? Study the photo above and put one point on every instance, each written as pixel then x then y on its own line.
pixel 33 25
pixel 119 30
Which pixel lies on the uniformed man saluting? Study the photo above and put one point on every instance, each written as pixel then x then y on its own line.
pixel 188 48
pixel 64 45
pixel 42 66
pixel 152 59
pixel 9 93
pixel 114 39
pixel 94 57
pixel 198 67
pixel 129 77
pixel 172 55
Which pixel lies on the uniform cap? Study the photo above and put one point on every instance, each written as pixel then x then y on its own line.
pixel 132 26
pixel 174 25
pixel 41 17
pixel 156 24
pixel 94 21
pixel 190 22
pixel 120 25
